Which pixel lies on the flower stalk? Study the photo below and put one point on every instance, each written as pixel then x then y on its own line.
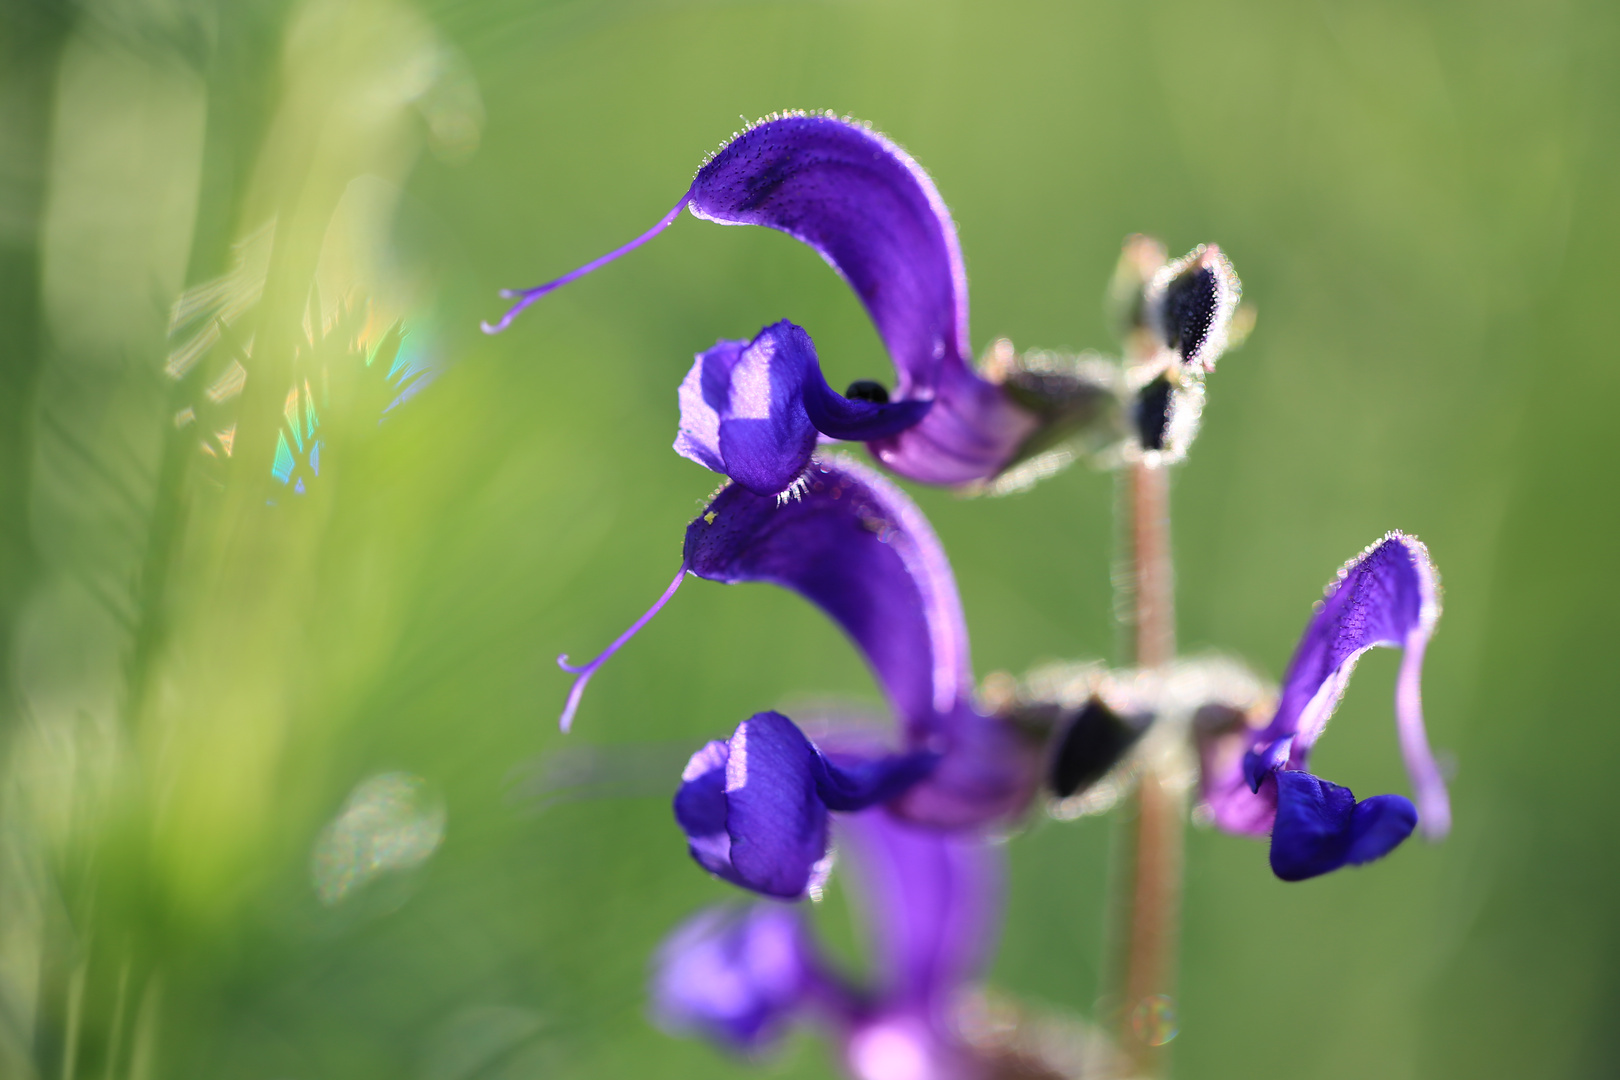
pixel 1150 872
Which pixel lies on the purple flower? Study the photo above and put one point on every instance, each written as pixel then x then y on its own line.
pixel 855 546
pixel 1256 781
pixel 755 806
pixel 736 974
pixel 866 207
pixel 933 901
pixel 753 410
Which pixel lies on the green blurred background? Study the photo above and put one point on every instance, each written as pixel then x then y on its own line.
pixel 210 681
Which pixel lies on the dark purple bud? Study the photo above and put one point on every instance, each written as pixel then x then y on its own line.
pixel 1190 303
pixel 1152 413
pixel 868 390
pixel 1088 745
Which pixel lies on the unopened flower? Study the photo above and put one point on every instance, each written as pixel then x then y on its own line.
pixel 1256 781
pixel 1176 319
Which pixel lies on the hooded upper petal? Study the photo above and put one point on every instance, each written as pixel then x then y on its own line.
pixel 1387 596
pixel 871 211
pixel 752 409
pixel 855 546
pixel 867 208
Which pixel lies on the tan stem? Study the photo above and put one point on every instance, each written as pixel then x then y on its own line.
pixel 1149 911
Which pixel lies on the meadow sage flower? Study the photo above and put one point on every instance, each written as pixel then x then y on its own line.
pixel 1255 781
pixel 876 217
pixel 754 806
pixel 743 977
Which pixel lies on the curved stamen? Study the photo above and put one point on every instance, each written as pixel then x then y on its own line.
pixel 529 296
pixel 585 671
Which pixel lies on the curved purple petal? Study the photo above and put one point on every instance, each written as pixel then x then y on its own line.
pixel 867 208
pixel 1321 827
pixel 751 409
pixel 704 395
pixel 1225 793
pixel 1378 826
pixel 932 903
pixel 1387 596
pixel 840 417
pixel 871 211
pixel 738 976
pixel 858 548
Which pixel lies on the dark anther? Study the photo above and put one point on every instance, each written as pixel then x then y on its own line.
pixel 867 390
pixel 1153 413
pixel 1093 743
pixel 1189 310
